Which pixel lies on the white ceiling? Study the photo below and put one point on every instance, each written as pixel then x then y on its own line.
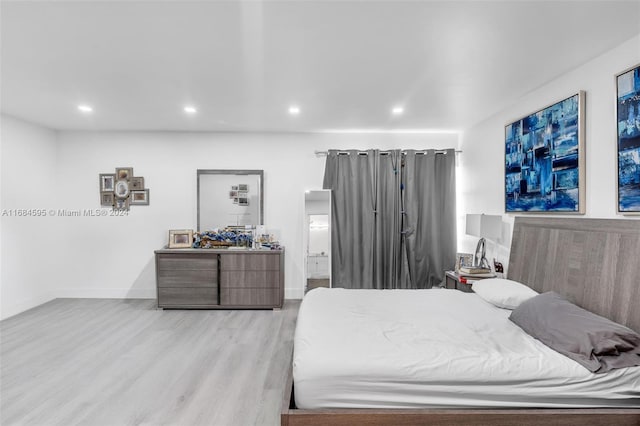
pixel 242 63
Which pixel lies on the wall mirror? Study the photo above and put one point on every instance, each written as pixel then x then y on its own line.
pixel 317 239
pixel 229 198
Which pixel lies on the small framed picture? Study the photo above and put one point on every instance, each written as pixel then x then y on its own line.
pixel 243 201
pixel 234 187
pixel 139 197
pixel 122 188
pixel 243 187
pixel 124 173
pixel 180 238
pixel 107 181
pixel 121 204
pixel 136 183
pixel 463 259
pixel 107 199
pixel 233 194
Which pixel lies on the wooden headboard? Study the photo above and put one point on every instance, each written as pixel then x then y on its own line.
pixel 595 263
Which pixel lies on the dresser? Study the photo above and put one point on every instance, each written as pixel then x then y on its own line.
pixel 219 279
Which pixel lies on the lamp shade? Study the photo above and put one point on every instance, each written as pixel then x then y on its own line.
pixel 484 226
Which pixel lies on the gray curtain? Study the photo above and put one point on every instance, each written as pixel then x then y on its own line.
pixel 429 220
pixel 365 242
pixel 380 237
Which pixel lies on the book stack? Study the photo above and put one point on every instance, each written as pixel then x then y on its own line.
pixel 475 272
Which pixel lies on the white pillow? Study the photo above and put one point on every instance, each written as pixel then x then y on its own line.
pixel 503 293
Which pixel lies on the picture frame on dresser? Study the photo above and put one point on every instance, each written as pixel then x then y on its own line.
pixel 463 259
pixel 180 238
pixel 628 140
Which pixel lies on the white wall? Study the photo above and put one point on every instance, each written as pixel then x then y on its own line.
pixel 28 244
pixel 113 256
pixel 481 171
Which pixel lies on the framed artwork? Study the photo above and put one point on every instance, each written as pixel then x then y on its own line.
pixel 121 204
pixel 124 173
pixel 243 187
pixel 180 238
pixel 122 188
pixel 628 140
pixel 243 201
pixel 545 159
pixel 107 199
pixel 107 181
pixel 139 197
pixel 463 259
pixel 136 183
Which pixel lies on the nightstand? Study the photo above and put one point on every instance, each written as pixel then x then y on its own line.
pixel 453 281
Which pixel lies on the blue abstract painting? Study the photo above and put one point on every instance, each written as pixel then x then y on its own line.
pixel 628 118
pixel 544 159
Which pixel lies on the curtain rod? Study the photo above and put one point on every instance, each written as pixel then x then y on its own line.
pixel 437 151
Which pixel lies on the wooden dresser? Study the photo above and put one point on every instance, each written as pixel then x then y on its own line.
pixel 219 279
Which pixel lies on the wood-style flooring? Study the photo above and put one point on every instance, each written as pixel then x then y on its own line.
pixel 123 362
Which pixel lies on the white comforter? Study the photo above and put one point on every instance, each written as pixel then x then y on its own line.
pixel 435 348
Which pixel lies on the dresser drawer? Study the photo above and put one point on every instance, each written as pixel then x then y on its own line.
pixel 250 262
pixel 187 270
pixel 172 262
pixel 187 278
pixel 247 279
pixel 187 297
pixel 250 297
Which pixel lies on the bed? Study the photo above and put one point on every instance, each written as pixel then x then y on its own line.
pixel 592 262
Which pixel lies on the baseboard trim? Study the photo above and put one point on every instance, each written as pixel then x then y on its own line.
pixel 18 308
pixel 106 293
pixel 103 293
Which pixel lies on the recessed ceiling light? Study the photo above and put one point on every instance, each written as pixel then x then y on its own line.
pixel 85 108
pixel 190 109
pixel 398 110
pixel 294 110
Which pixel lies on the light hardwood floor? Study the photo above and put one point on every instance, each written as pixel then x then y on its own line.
pixel 123 362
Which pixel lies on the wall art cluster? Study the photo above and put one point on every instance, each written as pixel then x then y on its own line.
pixel 122 189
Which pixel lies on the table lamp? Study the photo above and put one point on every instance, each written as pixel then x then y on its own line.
pixel 487 227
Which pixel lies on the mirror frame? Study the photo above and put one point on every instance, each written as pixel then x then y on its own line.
pixel 305 236
pixel 259 173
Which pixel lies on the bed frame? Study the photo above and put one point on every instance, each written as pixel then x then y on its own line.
pixel 593 262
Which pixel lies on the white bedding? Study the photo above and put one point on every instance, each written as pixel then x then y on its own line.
pixel 435 348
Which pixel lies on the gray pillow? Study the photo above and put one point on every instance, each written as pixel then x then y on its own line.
pixel 595 342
